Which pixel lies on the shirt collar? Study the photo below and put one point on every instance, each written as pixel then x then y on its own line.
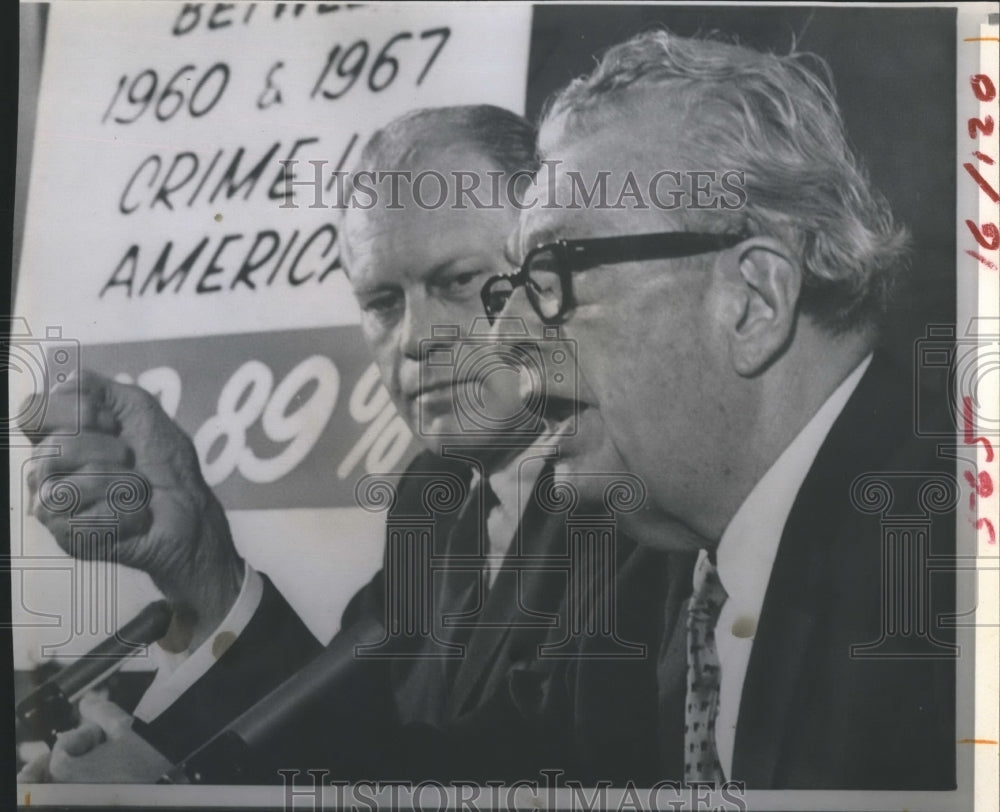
pixel 748 546
pixel 513 482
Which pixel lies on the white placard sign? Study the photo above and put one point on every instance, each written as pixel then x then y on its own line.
pixel 165 124
pixel 162 247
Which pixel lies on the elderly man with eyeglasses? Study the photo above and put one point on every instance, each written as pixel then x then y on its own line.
pixel 531 646
pixel 731 358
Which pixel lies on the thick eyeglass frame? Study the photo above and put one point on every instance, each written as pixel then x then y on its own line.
pixel 571 256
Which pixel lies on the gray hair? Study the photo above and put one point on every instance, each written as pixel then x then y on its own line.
pixel 778 121
pixel 498 135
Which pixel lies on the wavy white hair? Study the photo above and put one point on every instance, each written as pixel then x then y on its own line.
pixel 775 119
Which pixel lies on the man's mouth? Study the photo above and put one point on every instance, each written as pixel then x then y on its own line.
pixel 559 408
pixel 433 389
pixel 560 414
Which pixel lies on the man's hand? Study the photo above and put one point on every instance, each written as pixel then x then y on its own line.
pixel 181 538
pixel 102 750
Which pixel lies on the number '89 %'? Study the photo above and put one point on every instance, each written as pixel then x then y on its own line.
pixel 294 413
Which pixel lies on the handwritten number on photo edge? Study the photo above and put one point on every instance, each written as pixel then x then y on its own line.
pixel 991 533
pixel 968 428
pixel 983 88
pixel 987 236
pixel 983 125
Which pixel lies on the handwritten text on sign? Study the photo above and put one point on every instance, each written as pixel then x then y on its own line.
pixel 167 125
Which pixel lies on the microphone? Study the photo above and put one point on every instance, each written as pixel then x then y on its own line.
pixel 230 756
pixel 48 710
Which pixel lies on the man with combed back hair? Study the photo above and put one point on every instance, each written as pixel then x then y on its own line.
pixel 732 360
pixel 496 711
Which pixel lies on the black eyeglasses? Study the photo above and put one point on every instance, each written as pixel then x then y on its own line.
pixel 547 269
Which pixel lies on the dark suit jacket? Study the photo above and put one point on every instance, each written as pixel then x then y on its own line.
pixel 813 715
pixel 499 711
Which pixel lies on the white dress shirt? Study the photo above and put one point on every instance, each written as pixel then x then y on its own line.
pixel 512 485
pixel 746 552
pixel 177 672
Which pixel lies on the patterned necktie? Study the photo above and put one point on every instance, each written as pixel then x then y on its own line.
pixel 701 760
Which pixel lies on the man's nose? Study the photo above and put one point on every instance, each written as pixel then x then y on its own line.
pixel 422 315
pixel 517 313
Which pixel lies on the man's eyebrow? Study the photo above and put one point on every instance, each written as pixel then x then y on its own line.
pixel 536 238
pixel 377 287
pixel 435 271
pixel 443 267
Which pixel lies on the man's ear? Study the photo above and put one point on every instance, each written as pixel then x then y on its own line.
pixel 768 278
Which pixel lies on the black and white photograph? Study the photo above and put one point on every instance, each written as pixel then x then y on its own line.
pixel 477 405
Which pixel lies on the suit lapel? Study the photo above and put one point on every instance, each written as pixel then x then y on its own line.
pixel 518 611
pixel 484 643
pixel 459 597
pixel 860 438
pixel 419 674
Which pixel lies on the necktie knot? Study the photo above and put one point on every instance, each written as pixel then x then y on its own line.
pixel 708 595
